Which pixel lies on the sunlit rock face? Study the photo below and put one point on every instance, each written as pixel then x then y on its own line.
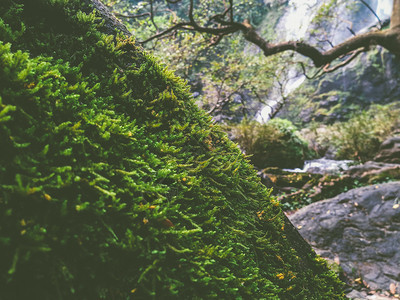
pixel 296 23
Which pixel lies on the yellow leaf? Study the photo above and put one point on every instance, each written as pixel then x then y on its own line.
pixel 392 288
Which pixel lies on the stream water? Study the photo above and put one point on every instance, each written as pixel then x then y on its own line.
pixel 323 166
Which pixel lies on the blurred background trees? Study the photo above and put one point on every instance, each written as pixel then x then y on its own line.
pixel 240 85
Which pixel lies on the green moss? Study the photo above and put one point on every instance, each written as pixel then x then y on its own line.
pixel 113 185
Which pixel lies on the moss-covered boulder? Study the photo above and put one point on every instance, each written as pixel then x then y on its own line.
pixel 113 185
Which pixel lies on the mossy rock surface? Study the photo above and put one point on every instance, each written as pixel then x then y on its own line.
pixel 114 185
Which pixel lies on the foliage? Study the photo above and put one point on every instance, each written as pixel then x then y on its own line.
pixel 236 82
pixel 328 186
pixel 328 20
pixel 359 138
pixel 113 185
pixel 273 144
pixel 298 103
pixel 316 189
pixel 230 77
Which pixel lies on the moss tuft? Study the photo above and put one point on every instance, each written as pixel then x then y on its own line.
pixel 113 185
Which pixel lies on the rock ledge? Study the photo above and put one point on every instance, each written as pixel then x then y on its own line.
pixel 359 230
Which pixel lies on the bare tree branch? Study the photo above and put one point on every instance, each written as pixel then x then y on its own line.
pixel 325 41
pixel 389 38
pixel 166 31
pixel 353 55
pixel 152 15
pixel 316 74
pixel 146 14
pixel 172 13
pixel 223 102
pixel 231 10
pixel 386 38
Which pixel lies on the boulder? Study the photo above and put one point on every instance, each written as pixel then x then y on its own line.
pixel 373 171
pixel 389 151
pixel 359 230
pixel 114 185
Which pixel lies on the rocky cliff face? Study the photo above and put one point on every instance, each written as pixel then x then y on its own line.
pixel 371 78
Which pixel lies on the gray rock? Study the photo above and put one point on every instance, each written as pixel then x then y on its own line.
pixel 329 101
pixel 389 151
pixel 359 228
pixel 372 170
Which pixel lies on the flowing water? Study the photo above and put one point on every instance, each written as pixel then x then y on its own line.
pixel 297 22
pixel 323 166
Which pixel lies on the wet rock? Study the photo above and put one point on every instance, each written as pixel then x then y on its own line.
pixel 368 80
pixel 359 229
pixel 373 171
pixel 389 151
pixel 285 180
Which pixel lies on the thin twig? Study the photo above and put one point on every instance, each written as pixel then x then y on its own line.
pixel 132 16
pixel 373 11
pixel 354 54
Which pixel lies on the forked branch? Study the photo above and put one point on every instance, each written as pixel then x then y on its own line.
pixel 222 24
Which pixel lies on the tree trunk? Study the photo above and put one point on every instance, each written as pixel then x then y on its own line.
pixel 111 24
pixel 393 42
